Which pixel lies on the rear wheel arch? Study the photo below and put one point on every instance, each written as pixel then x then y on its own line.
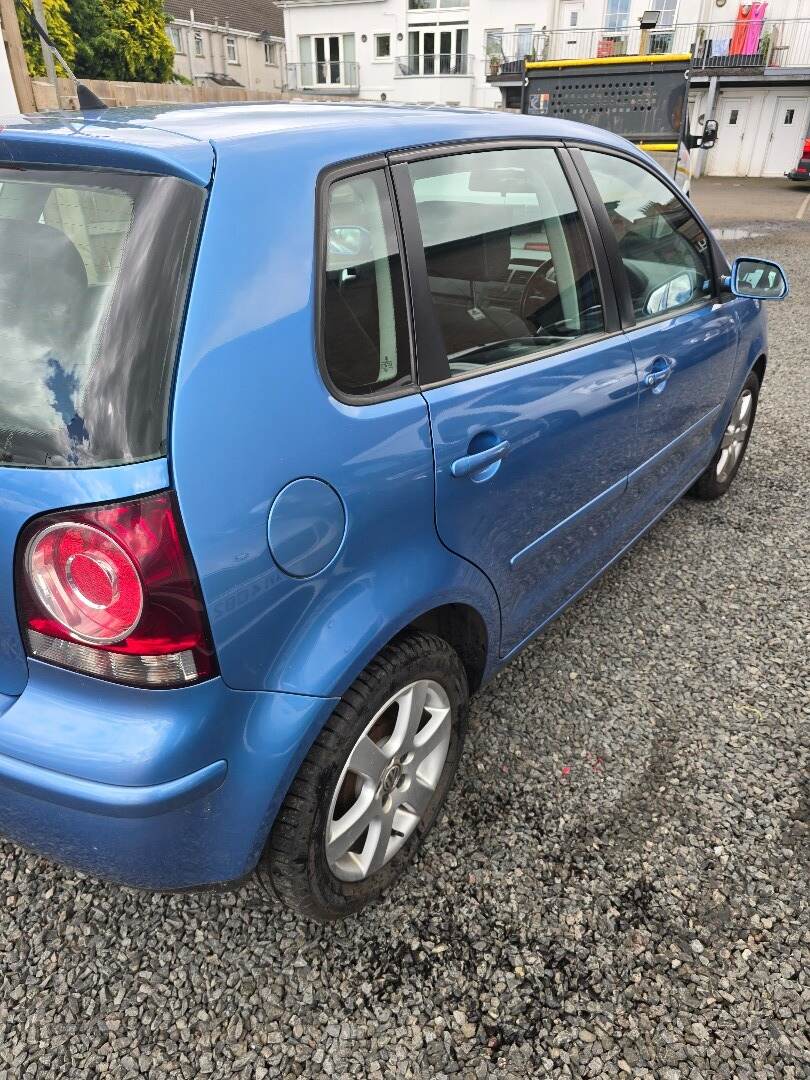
pixel 465 631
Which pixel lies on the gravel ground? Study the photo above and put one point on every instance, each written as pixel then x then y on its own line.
pixel 619 883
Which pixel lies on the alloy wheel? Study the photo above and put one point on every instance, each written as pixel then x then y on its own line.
pixel 388 780
pixel 734 437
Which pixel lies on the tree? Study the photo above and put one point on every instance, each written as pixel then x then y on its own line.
pixel 121 39
pixel 57 15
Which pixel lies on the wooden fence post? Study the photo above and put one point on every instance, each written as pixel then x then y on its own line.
pixel 16 57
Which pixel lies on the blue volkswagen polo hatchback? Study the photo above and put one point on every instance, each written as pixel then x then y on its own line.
pixel 311 417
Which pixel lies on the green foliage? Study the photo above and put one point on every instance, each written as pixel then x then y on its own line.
pixel 106 39
pixel 57 15
pixel 122 39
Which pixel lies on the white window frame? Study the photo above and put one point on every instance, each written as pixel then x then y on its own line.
pixel 231 49
pixel 491 37
pixel 271 53
pixel 199 44
pixel 382 59
pixel 524 31
pixel 328 62
pixel 176 38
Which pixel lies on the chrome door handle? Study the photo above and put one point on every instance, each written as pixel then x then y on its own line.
pixel 472 463
pixel 660 371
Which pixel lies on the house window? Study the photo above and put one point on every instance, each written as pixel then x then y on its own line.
pixel 176 39
pixel 230 50
pixel 494 44
pixel 424 5
pixel 270 54
pixel 524 35
pixel 617 14
pixel 435 50
pixel 382 46
pixel 199 49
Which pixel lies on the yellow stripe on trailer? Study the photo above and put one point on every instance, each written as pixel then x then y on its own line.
pixel 605 61
pixel 657 147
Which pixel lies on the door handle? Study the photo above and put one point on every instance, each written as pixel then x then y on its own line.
pixel 658 373
pixel 473 463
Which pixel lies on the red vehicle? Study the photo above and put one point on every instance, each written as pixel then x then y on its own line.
pixel 802 170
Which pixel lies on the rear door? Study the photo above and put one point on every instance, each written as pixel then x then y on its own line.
pixel 683 337
pixel 531 389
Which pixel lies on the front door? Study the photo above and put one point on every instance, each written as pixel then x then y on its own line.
pixel 534 419
pixel 787 132
pixel 684 339
pixel 571 20
pixel 725 157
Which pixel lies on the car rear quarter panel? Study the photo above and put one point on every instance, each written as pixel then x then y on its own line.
pixel 251 414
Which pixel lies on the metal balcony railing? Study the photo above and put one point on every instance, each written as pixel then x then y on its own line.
pixel 325 76
pixel 433 64
pixel 714 46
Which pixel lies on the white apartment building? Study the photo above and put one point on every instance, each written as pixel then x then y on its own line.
pixel 751 70
pixel 228 42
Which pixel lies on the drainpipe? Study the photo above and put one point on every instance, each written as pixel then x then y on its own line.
pixel 191 44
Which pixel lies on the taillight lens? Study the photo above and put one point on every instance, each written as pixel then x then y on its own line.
pixel 111 591
pixel 806 151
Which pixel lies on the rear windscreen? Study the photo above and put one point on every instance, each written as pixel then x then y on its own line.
pixel 94 268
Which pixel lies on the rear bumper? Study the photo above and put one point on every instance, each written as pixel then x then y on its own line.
pixel 794 174
pixel 156 789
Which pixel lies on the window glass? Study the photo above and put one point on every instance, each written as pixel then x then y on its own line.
pixel 664 250
pixel 198 44
pixel 508 259
pixel 84 255
pixel 382 46
pixel 365 331
pixel 230 49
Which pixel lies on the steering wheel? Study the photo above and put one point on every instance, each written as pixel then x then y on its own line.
pixel 539 290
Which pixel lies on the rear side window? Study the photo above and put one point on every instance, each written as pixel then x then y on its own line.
pixel 664 250
pixel 365 337
pixel 508 259
pixel 93 273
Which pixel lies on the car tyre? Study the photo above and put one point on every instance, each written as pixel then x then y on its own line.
pixel 725 464
pixel 384 760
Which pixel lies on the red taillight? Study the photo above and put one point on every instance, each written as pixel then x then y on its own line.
pixel 111 591
pixel 806 151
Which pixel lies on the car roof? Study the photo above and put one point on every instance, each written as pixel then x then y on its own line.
pixel 183 136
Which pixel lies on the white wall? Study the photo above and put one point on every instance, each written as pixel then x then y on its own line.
pixel 8 99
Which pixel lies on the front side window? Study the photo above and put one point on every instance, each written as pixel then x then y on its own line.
pixel 663 248
pixel 508 260
pixel 364 332
pixel 93 270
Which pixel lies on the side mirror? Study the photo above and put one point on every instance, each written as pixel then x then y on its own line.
pixel 760 279
pixel 709 136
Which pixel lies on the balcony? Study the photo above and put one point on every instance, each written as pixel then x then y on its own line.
pixel 716 47
pixel 327 78
pixel 432 64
